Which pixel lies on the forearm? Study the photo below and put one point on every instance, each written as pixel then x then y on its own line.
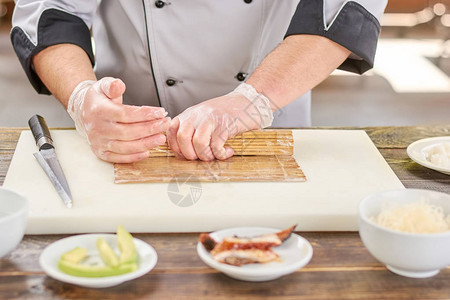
pixel 61 67
pixel 297 65
pixel 115 132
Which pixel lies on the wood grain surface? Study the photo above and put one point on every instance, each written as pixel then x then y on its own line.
pixel 341 267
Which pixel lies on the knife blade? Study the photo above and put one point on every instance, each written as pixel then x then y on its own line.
pixel 46 156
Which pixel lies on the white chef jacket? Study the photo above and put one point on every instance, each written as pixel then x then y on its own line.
pixel 178 53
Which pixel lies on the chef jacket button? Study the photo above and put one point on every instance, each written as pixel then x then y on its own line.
pixel 171 82
pixel 248 1
pixel 241 76
pixel 160 4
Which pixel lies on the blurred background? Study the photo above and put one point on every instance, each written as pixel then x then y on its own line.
pixel 410 84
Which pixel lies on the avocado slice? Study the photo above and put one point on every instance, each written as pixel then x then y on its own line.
pixel 107 253
pixel 75 255
pixel 128 252
pixel 81 270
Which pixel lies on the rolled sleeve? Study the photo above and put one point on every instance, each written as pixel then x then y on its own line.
pixel 36 27
pixel 353 25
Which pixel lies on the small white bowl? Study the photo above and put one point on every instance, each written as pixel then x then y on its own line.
pixel 50 256
pixel 416 255
pixel 13 219
pixel 294 254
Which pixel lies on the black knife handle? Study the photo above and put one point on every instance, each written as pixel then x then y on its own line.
pixel 40 132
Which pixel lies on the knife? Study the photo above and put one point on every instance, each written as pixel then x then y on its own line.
pixel 46 156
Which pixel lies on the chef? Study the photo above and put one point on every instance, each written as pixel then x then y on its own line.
pixel 218 68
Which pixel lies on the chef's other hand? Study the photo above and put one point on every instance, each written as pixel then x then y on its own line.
pixel 115 132
pixel 201 131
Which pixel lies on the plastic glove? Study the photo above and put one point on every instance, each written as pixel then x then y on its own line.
pixel 201 131
pixel 115 132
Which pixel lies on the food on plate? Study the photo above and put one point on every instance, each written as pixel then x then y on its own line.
pixel 107 254
pixel 75 255
pixel 238 251
pixel 439 155
pixel 128 252
pixel 83 270
pixel 78 262
pixel 414 217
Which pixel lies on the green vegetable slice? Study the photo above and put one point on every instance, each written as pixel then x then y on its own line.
pixel 81 270
pixel 107 253
pixel 75 255
pixel 128 252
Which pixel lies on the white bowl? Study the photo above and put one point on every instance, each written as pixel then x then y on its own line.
pixel 13 219
pixel 294 254
pixel 50 256
pixel 416 255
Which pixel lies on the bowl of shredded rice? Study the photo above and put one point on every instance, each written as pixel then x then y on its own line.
pixel 407 230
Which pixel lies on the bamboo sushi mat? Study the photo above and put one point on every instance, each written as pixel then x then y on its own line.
pixel 263 155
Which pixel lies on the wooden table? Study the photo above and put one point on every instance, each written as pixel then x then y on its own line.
pixel 341 267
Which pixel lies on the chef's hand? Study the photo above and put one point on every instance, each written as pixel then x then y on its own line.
pixel 201 131
pixel 115 132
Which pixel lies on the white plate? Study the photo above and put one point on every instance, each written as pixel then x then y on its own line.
pixel 417 151
pixel 294 254
pixel 51 254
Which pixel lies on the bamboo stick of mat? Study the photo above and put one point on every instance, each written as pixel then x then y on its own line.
pixel 237 168
pixel 256 142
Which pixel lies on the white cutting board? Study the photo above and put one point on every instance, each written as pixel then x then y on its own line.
pixel 342 167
